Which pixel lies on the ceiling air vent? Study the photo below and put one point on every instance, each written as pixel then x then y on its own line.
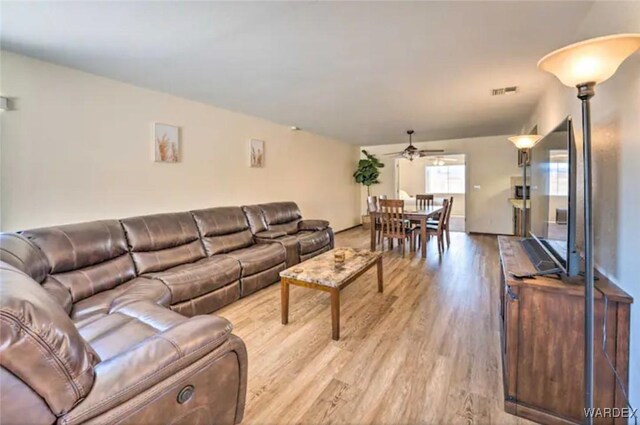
pixel 504 90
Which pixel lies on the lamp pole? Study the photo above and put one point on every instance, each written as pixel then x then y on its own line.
pixel 585 93
pixel 583 65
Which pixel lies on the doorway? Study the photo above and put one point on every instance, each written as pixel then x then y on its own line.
pixel 444 176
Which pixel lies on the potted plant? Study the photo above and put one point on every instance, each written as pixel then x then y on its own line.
pixel 367 174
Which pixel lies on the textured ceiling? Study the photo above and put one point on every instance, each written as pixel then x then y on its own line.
pixel 360 72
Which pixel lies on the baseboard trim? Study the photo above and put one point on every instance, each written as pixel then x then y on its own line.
pixel 348 228
pixel 489 234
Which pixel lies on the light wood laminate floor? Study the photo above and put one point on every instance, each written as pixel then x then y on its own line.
pixel 426 351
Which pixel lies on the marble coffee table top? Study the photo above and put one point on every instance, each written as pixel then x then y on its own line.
pixel 323 269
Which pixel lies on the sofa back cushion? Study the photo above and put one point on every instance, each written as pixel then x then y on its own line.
pixel 161 241
pixel 282 216
pixel 39 343
pixel 19 252
pixel 86 258
pixel 255 217
pixel 223 229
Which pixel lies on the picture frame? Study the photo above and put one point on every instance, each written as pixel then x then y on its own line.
pixel 166 143
pixel 256 153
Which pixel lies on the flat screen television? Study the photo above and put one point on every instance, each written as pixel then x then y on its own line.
pixel 553 196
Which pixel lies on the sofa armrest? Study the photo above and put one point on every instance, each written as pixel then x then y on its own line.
pixel 271 234
pixel 126 375
pixel 313 224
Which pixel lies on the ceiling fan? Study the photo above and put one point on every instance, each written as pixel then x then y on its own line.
pixel 411 152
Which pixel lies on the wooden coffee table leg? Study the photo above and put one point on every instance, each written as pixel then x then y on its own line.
pixel 284 300
pixel 335 314
pixel 380 271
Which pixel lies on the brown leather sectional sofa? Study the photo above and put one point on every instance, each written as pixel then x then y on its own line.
pixel 97 319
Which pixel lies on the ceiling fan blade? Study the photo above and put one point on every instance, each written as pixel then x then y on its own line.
pixel 424 152
pixel 393 153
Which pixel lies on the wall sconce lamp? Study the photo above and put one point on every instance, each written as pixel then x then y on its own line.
pixel 583 65
pixel 524 142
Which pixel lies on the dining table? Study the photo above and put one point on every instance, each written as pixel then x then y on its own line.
pixel 420 215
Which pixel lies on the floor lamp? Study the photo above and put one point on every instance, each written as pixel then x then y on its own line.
pixel 524 142
pixel 583 65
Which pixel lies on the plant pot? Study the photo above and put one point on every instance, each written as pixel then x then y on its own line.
pixel 366 221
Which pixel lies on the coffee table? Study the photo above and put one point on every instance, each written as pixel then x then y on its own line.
pixel 324 274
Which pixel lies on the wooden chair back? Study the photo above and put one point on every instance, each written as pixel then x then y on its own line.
pixel 372 204
pixel 449 208
pixel 443 215
pixel 392 218
pixel 424 201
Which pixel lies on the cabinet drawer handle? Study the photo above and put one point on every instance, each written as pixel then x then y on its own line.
pixel 511 295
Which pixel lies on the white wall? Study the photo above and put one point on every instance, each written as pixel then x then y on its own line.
pixel 616 150
pixel 491 161
pixel 78 147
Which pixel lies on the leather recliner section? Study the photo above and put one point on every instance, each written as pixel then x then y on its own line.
pixel 162 241
pixel 214 388
pixel 282 223
pixel 140 363
pixel 168 248
pixel 225 231
pixel 94 317
pixel 84 259
pixel 40 344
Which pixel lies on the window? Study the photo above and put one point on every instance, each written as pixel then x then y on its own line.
pixel 558 179
pixel 444 179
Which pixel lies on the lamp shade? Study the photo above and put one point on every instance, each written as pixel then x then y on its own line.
pixel 590 61
pixel 525 141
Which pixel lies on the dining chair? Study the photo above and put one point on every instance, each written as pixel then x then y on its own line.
pixel 436 229
pixel 447 219
pixel 423 201
pixel 372 206
pixel 394 225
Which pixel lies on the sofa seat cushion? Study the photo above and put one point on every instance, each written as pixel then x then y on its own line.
pixel 313 241
pixel 96 306
pixel 188 281
pixel 259 257
pixel 161 345
pixel 99 305
pixel 127 326
pixel 271 234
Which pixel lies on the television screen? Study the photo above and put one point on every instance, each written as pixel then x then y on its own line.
pixel 553 195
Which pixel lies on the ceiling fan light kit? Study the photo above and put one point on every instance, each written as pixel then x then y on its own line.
pixel 411 152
